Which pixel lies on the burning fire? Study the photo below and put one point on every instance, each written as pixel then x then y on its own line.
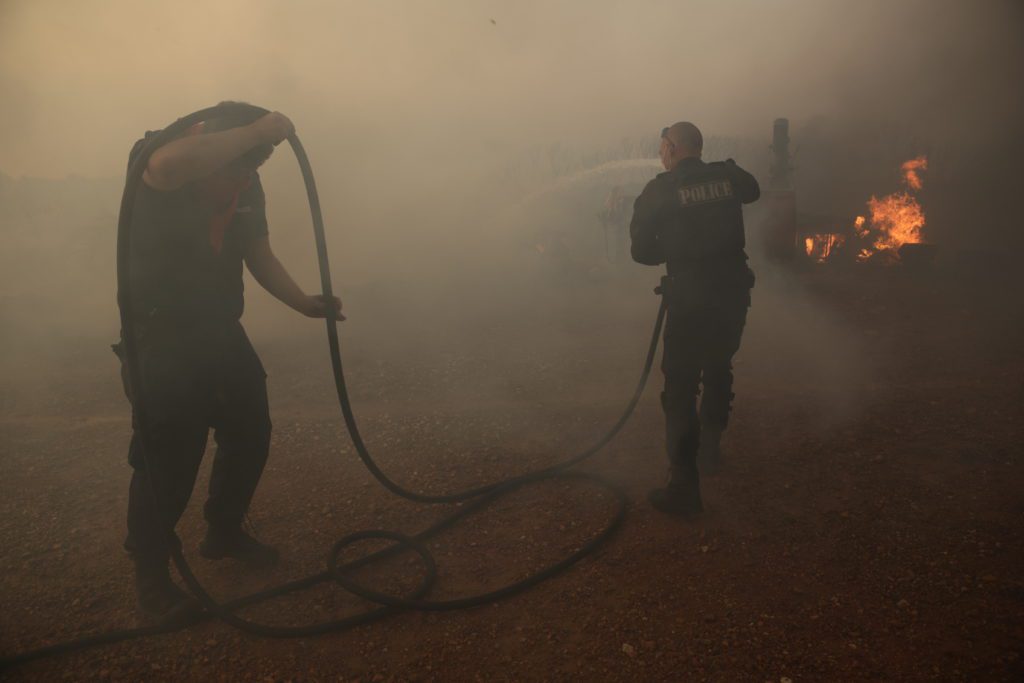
pixel 910 169
pixel 896 219
pixel 820 247
pixel 892 221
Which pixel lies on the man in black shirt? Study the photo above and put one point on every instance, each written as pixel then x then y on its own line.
pixel 690 219
pixel 199 214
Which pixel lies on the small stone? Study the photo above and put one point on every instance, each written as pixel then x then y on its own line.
pixel 629 650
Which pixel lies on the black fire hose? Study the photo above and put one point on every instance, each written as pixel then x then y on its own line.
pixel 480 496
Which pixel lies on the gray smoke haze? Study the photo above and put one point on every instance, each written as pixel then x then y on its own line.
pixel 430 124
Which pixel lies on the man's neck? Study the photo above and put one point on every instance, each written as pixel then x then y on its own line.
pixel 690 158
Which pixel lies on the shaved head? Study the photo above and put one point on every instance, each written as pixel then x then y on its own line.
pixel 685 134
pixel 680 141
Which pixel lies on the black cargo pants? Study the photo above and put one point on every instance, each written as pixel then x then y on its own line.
pixel 195 378
pixel 701 338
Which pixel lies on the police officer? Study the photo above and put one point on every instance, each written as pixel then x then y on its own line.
pixel 199 214
pixel 690 219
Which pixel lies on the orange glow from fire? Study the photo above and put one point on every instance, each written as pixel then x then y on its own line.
pixel 895 219
pixel 820 247
pixel 910 172
pixel 898 219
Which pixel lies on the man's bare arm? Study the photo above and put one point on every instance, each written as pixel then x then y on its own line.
pixel 190 158
pixel 274 278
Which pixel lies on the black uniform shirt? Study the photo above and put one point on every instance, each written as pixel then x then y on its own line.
pixel 690 218
pixel 179 271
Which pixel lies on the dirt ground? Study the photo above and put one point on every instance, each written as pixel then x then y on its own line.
pixel 867 526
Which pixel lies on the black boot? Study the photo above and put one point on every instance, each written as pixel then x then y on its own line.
pixel 235 543
pixel 160 601
pixel 681 497
pixel 709 455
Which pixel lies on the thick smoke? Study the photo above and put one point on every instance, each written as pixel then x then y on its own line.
pixel 433 128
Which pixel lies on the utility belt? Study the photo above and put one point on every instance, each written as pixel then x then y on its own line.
pixel 690 290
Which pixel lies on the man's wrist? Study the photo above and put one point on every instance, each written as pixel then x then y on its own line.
pixel 307 306
pixel 252 135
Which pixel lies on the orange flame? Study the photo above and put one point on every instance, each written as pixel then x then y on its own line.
pixel 895 219
pixel 898 219
pixel 820 247
pixel 910 172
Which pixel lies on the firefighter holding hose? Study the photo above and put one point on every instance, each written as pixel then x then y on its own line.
pixel 690 218
pixel 199 214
